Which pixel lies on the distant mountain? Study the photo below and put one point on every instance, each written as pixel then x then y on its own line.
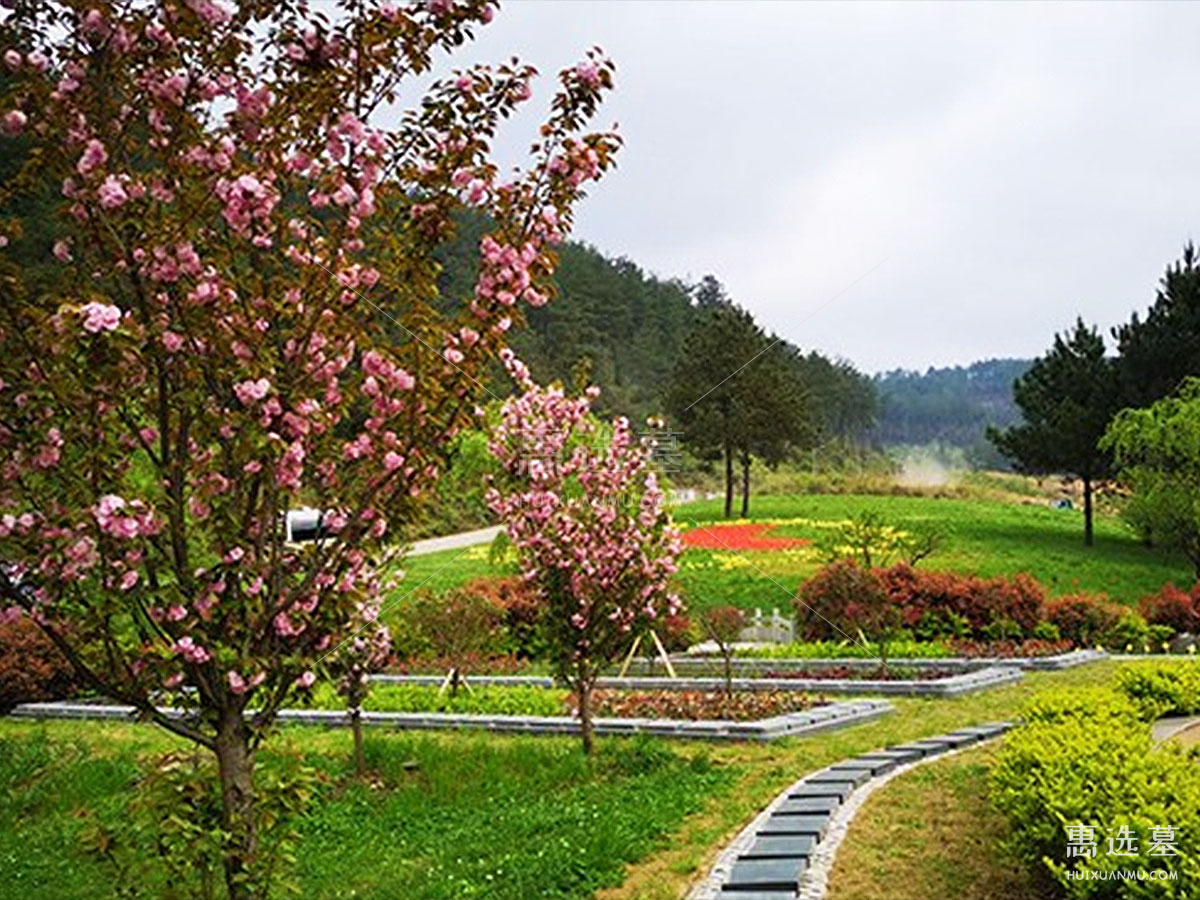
pixel 952 406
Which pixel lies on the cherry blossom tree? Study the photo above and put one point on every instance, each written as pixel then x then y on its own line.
pixel 246 320
pixel 585 512
pixel 723 625
pixel 355 660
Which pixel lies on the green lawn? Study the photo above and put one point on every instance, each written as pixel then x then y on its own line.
pixel 934 831
pixel 986 537
pixel 477 816
pixel 451 815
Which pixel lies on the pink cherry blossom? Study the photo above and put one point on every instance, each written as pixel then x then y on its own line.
pixel 94 156
pixel 100 317
pixel 13 122
pixel 250 391
pixel 112 194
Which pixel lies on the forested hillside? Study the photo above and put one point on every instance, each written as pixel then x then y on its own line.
pixel 951 405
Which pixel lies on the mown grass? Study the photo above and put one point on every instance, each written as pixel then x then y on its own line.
pixel 451 815
pixel 476 816
pixel 933 831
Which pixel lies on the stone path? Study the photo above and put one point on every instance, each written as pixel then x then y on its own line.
pixel 1170 726
pixel 788 850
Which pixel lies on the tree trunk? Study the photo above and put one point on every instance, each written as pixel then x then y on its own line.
pixel 235 763
pixel 728 481
pixel 360 759
pixel 745 485
pixel 584 686
pixel 1088 537
pixel 728 654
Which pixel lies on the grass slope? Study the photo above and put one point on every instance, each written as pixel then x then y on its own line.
pixel 986 537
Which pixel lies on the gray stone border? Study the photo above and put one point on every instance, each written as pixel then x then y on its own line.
pixel 787 851
pixel 821 718
pixel 750 665
pixel 950 686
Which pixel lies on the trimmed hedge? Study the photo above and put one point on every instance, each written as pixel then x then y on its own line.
pixel 946 606
pixel 1085 757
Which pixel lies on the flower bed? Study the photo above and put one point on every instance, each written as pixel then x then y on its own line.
pixel 534 700
pixel 741 706
pixel 739 536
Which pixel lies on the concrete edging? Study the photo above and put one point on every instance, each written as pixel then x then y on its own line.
pixel 821 718
pixel 950 686
pixel 751 664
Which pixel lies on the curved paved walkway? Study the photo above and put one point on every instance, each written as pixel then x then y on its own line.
pixel 455 541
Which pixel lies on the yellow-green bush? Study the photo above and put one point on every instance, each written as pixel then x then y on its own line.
pixel 1162 688
pixel 1087 758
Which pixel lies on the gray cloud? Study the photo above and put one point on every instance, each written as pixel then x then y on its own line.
pixel 1015 164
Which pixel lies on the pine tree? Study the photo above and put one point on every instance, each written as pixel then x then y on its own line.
pixel 1157 352
pixel 1067 399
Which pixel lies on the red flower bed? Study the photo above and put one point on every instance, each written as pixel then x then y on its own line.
pixel 742 706
pixel 744 536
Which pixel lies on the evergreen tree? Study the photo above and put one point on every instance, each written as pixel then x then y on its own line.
pixel 735 396
pixel 1067 399
pixel 1157 352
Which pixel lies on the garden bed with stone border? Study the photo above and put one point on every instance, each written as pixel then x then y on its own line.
pixel 965 682
pixel 787 850
pixel 750 666
pixel 819 718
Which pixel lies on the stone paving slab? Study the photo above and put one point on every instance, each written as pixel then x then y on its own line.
pixel 893 753
pixel 765 874
pixel 757 895
pixel 769 846
pixel 806 806
pixel 843 772
pixel 813 824
pixel 808 789
pixel 874 766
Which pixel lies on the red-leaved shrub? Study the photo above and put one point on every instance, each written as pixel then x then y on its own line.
pixel 981 604
pixel 31 668
pixel 1084 619
pixel 1173 607
pixel 967 609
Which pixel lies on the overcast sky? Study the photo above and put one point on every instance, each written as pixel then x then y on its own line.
pixel 900 184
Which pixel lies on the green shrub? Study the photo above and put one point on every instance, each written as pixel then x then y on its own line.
pixel 475 699
pixel 1162 688
pixel 1086 758
pixel 1089 702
